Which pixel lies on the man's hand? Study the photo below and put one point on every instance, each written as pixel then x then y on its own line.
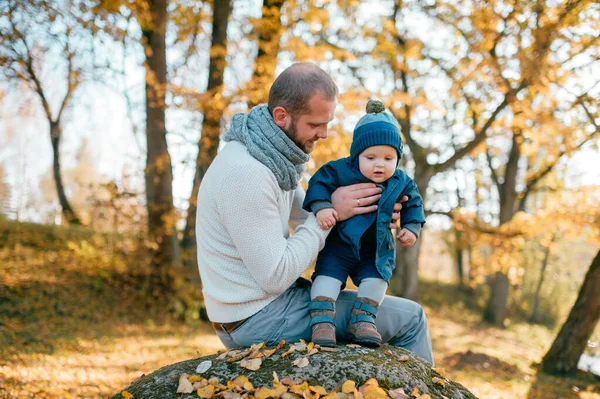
pixel 396 213
pixel 326 218
pixel 355 200
pixel 406 237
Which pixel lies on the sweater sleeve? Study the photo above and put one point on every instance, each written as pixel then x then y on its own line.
pixel 250 212
pixel 412 213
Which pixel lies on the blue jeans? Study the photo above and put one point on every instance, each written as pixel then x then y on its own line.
pixel 400 322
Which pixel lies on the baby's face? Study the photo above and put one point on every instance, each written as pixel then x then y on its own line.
pixel 378 163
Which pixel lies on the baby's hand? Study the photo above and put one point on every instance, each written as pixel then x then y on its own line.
pixel 326 218
pixel 406 237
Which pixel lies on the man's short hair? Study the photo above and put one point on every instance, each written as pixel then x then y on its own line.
pixel 294 87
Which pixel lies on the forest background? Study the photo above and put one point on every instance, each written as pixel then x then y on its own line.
pixel 111 112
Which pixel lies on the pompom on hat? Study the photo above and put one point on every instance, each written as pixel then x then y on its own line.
pixel 377 127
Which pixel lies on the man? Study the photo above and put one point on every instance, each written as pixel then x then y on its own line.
pixel 249 198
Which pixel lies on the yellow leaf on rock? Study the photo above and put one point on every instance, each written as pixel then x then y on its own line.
pixel 264 393
pixel 371 381
pixel 268 352
pixel 248 386
pixel 206 392
pixel 424 396
pixel 357 395
pixel 185 386
pixel 288 352
pixel 310 345
pixel 213 381
pixel 440 370
pixel 300 388
pixel 195 378
pixel 348 387
pixel 252 364
pixel 333 395
pixel 279 389
pixel 280 344
pixel 373 392
pixel 301 362
pixel 439 381
pixel 415 392
pixel 126 395
pixel 318 389
pixel 241 380
pixel 397 394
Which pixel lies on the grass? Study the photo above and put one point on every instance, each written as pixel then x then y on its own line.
pixel 74 323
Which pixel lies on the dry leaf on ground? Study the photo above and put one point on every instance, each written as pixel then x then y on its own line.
pixel 185 386
pixel 441 371
pixel 326 349
pixel 439 381
pixel 415 392
pixel 299 346
pixel 268 352
pixel 206 392
pixel 251 364
pixel 348 387
pixel 126 395
pixel 301 362
pixel 353 346
pixel 288 352
pixel 397 394
pixel 372 392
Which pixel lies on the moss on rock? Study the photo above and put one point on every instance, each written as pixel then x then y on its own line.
pixel 329 369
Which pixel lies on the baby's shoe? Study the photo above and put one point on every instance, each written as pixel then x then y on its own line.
pixel 362 324
pixel 322 323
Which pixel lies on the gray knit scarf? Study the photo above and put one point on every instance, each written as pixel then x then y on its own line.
pixel 269 144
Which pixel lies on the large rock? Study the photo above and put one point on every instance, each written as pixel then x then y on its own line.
pixel 392 367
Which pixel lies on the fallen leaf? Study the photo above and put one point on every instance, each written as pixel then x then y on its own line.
pixel 248 386
pixel 206 392
pixel 252 364
pixel 348 387
pixel 237 357
pixel 234 352
pixel 255 355
pixel 264 393
pixel 299 346
pixel 280 344
pixel 403 358
pixel 213 381
pixel 195 378
pixel 275 377
pixel 318 389
pixel 310 345
pixel 424 396
pixel 289 395
pixel 203 367
pixel 256 347
pixel 373 392
pixel 240 381
pixel 353 346
pixel 299 388
pixel 291 381
pixel 312 352
pixel 230 395
pixel 185 386
pixel 126 395
pixel 357 395
pixel 415 392
pixel 326 349
pixel 310 395
pixel 288 352
pixel 333 395
pixel 439 381
pixel 200 384
pixel 441 371
pixel 268 352
pixel 371 381
pixel 301 362
pixel 398 394
pixel 279 389
pixel 222 355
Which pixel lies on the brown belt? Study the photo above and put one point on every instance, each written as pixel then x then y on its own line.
pixel 228 327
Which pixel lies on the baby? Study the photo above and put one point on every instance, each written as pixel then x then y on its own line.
pixel 363 246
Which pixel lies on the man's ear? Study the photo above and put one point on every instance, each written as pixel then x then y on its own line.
pixel 281 117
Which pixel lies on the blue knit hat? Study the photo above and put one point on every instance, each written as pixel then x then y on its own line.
pixel 377 127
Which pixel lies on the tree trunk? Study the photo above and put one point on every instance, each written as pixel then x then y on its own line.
pixel 208 144
pixel 269 37
pixel 564 354
pixel 158 173
pixel 495 312
pixel 496 308
pixel 68 213
pixel 535 314
pixel 460 271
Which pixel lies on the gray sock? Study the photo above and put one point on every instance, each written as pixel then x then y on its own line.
pixel 372 288
pixel 325 286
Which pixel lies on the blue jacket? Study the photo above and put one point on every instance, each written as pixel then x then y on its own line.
pixel 344 172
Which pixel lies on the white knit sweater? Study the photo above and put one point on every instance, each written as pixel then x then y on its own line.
pixel 246 256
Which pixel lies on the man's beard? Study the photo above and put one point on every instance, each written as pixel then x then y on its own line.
pixel 292 133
